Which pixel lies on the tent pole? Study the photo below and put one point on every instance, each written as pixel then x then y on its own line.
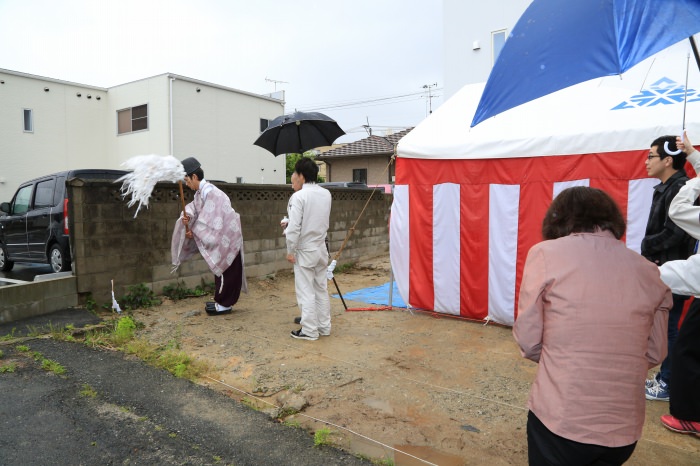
pixel 391 287
pixel 695 50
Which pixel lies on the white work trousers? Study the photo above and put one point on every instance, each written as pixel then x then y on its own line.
pixel 311 287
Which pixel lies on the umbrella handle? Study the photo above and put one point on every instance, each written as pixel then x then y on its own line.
pixel 182 198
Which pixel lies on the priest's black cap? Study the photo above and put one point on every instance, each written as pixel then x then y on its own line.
pixel 190 164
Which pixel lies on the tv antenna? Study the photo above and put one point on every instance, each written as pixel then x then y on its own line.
pixel 275 81
pixel 367 127
pixel 430 95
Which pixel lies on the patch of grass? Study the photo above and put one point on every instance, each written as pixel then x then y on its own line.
pixel 87 391
pixel 52 366
pixel 90 303
pixel 139 297
pixel 22 348
pixel 9 336
pixel 124 330
pixel 2 354
pixel 249 403
pixel 217 459
pixel 285 412
pixel 11 367
pixel 322 437
pixel 33 331
pixel 177 362
pixel 37 356
pixel 62 333
pixel 180 291
pixel 172 435
pixel 293 423
pixel 383 462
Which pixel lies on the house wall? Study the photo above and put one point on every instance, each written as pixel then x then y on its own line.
pixel 219 126
pixel 467 21
pixel 67 129
pixel 156 139
pixel 108 243
pixel 377 171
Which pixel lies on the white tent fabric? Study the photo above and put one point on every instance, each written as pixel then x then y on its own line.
pixel 469 202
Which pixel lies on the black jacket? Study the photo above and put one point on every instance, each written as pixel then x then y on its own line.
pixel 663 240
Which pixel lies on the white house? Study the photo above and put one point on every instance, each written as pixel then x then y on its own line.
pixel 474 32
pixel 48 125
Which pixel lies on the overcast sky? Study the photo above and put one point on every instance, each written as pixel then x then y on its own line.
pixel 329 52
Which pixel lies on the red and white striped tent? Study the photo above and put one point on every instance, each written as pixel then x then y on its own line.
pixel 469 202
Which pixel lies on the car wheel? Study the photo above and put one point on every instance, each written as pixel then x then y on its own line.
pixel 5 265
pixel 58 259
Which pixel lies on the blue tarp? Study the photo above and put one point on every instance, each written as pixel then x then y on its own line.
pixel 375 295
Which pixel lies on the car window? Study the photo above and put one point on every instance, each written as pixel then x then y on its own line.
pixel 44 194
pixel 59 192
pixel 22 200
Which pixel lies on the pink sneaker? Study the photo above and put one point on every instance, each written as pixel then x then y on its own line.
pixel 678 425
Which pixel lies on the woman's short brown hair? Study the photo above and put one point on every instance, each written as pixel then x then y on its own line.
pixel 582 209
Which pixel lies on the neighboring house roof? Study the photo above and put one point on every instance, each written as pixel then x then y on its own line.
pixel 169 75
pixel 205 83
pixel 369 146
pixel 51 80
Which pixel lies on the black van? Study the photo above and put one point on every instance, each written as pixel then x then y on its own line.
pixel 35 225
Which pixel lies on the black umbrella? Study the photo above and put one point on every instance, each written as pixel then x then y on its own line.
pixel 298 132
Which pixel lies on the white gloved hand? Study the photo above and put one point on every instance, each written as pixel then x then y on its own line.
pixel 331 268
pixel 283 223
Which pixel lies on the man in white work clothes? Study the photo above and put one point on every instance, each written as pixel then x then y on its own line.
pixel 309 213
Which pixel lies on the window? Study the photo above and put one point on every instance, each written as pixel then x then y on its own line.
pixel 44 194
pixel 264 123
pixel 132 119
pixel 28 121
pixel 498 40
pixel 22 200
pixel 359 175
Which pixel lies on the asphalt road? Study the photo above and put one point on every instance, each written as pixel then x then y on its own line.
pixel 139 414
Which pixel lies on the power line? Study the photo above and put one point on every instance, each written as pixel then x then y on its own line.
pixel 368 102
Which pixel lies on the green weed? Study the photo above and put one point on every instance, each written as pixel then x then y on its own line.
pixel 62 333
pixel 11 367
pixel 52 366
pixel 124 330
pixel 179 291
pixel 22 348
pixel 174 361
pixel 383 462
pixel 9 336
pixel 88 392
pixel 139 297
pixel 322 437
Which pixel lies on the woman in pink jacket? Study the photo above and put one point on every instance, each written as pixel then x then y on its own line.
pixel 593 314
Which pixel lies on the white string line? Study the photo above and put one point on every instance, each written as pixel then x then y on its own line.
pixel 322 421
pixel 419 382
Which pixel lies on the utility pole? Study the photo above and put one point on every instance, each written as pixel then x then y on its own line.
pixel 276 81
pixel 430 95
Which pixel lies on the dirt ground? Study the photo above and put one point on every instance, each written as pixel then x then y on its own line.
pixel 394 385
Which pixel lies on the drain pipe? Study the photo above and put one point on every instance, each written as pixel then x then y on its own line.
pixel 171 116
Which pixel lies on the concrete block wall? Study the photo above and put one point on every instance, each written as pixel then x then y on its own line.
pixel 109 243
pixel 37 298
